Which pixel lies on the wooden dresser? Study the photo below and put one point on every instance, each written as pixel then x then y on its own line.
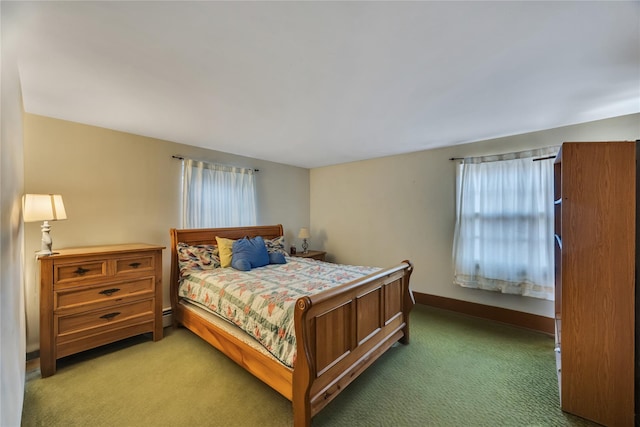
pixel 96 295
pixel 596 255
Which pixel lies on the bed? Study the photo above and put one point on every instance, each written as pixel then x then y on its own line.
pixel 339 331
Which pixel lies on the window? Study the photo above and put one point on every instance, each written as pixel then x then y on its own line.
pixel 217 195
pixel 504 224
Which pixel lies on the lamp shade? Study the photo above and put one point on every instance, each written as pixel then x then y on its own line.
pixel 43 207
pixel 304 233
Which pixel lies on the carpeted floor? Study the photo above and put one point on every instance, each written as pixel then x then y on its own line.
pixel 457 371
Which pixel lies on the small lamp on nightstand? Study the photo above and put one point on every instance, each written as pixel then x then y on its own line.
pixel 43 207
pixel 304 235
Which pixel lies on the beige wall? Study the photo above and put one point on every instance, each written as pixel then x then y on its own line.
pixel 12 314
pixel 119 187
pixel 382 211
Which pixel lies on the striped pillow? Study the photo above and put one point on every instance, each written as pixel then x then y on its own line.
pixel 198 257
pixel 276 245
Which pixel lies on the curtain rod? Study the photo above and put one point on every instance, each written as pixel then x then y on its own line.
pixel 179 157
pixel 535 160
pixel 544 158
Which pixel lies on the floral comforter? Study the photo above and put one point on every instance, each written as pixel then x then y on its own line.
pixel 262 301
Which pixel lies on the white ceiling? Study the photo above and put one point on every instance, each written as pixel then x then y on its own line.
pixel 320 83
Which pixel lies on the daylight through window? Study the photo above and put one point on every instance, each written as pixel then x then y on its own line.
pixel 504 224
pixel 217 195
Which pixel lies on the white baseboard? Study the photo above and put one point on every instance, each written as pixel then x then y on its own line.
pixel 166 317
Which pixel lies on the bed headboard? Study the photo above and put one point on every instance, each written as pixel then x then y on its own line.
pixel 207 236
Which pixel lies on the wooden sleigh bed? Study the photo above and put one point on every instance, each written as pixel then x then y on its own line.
pixel 339 332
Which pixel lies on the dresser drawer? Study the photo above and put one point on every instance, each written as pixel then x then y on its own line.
pixel 68 273
pixel 75 343
pixel 139 263
pixel 94 297
pixel 73 326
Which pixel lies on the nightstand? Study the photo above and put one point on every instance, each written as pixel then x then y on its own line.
pixel 318 255
pixel 96 295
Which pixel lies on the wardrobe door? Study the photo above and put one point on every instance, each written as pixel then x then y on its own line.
pixel 598 281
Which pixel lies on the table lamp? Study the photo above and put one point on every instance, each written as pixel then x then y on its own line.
pixel 43 207
pixel 304 235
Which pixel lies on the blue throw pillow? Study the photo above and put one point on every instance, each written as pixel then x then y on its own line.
pixel 249 253
pixel 276 258
pixel 241 264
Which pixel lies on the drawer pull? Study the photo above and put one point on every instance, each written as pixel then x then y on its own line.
pixel 135 264
pixel 81 271
pixel 109 292
pixel 110 316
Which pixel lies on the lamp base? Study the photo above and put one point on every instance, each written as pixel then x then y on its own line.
pixel 45 244
pixel 45 253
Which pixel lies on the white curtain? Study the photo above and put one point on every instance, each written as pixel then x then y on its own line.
pixel 217 195
pixel 504 224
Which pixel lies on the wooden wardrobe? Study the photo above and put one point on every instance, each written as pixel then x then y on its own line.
pixel 596 239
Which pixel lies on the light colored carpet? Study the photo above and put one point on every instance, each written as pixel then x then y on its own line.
pixel 457 371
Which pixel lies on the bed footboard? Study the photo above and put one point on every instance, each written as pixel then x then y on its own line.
pixel 341 331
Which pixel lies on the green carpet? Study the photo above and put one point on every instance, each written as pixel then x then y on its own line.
pixel 457 371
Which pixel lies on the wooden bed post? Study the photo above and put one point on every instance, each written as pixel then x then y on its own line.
pixel 303 374
pixel 409 302
pixel 175 279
